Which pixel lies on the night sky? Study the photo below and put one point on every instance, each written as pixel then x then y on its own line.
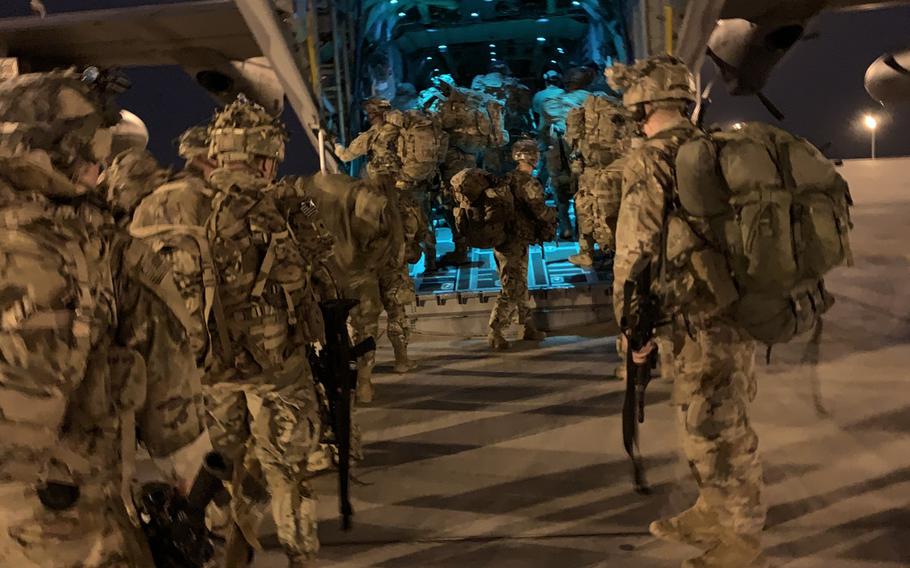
pixel 819 87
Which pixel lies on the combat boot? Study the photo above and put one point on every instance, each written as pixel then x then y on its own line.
pixel 696 526
pixel 402 363
pixel 497 341
pixel 531 332
pixel 364 393
pixel 733 550
pixel 585 256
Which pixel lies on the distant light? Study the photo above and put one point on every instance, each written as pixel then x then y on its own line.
pixel 443 47
pixel 492 46
pixel 475 15
pixel 553 61
pixel 560 50
pixel 492 53
pixel 492 59
pixel 401 14
pixel 576 3
pixel 393 2
pixel 737 126
pixel 543 20
pixel 429 58
pixel 541 39
pixel 870 122
pixel 435 69
pixel 432 30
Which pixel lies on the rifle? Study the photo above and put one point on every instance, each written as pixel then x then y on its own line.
pixel 638 325
pixel 175 525
pixel 336 369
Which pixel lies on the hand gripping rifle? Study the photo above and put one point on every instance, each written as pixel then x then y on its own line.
pixel 336 370
pixel 638 324
pixel 175 524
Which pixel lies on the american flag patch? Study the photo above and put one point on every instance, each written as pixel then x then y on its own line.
pixel 308 208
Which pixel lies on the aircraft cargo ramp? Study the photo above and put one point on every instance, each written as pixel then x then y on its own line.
pixel 515 460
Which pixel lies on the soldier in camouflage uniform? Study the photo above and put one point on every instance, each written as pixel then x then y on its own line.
pixel 599 134
pixel 396 288
pixel 93 348
pixel 516 101
pixel 368 233
pixel 713 358
pixel 531 221
pixel 557 153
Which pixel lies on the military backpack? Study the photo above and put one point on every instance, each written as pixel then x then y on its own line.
pixel 597 130
pixel 484 206
pixel 762 216
pixel 422 145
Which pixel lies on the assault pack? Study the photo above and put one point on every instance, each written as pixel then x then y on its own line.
pixel 422 145
pixel 762 217
pixel 484 206
pixel 475 121
pixel 598 131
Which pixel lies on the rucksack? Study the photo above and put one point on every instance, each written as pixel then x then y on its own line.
pixel 422 146
pixel 172 221
pixel 475 121
pixel 597 129
pixel 261 282
pixel 777 211
pixel 57 303
pixel 483 208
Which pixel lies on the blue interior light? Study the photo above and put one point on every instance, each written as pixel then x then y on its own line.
pixel 475 15
pixel 541 39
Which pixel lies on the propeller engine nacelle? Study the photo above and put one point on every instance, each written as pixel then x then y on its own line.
pixel 746 52
pixel 888 78
pixel 253 77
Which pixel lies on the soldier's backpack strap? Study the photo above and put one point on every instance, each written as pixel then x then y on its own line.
pixel 153 271
pixel 224 338
pixel 207 264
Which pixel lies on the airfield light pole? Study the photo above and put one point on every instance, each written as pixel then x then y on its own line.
pixel 871 123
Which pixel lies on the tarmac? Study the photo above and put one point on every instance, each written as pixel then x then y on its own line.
pixel 516 460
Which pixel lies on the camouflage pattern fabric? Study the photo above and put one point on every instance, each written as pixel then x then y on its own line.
pixel 713 376
pixel 512 267
pixel 380 145
pixel 273 430
pixel 714 382
pixel 534 221
pixel 79 338
pixel 417 235
pixel 172 220
pixel 397 291
pixel 132 175
pixel 514 96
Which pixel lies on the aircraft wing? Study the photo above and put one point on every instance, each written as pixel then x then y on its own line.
pixel 748 38
pixel 162 34
pixel 228 46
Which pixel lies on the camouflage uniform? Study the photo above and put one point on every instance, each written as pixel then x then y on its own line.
pixel 81 385
pixel 367 235
pixel 132 175
pixel 599 133
pixel 556 154
pixel 261 401
pixel 396 289
pixel 516 100
pixel 512 255
pixel 713 359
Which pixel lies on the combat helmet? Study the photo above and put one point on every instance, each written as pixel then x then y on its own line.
pixel 56 119
pixel 132 175
pixel 376 105
pixel 662 78
pixel 526 150
pixel 193 142
pixel 243 131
